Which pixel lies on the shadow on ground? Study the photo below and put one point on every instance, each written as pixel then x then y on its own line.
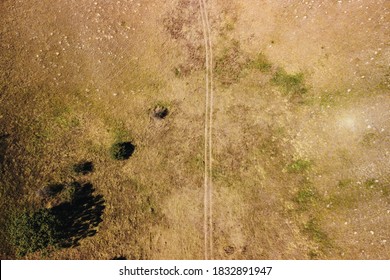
pixel 3 147
pixel 80 216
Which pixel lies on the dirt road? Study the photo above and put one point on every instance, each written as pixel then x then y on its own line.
pixel 208 209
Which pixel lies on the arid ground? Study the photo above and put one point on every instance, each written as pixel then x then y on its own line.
pixel 300 163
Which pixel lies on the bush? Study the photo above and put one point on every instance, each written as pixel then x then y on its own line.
pixel 32 231
pixel 122 150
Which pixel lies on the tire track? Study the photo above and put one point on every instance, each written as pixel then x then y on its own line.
pixel 208 188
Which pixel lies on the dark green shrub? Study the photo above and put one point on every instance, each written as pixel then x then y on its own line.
pixel 122 150
pixel 32 231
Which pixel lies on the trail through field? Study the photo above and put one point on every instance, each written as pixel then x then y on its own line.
pixel 208 188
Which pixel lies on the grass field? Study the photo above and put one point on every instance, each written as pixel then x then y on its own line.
pixel 301 128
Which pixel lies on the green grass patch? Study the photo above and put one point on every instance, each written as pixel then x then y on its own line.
pixel 344 183
pixel 313 230
pixel 64 116
pixel 374 185
pixel 260 63
pixel 118 130
pixel 306 196
pixel 299 166
pixel 327 100
pixel 33 231
pixel 290 83
pixel 349 193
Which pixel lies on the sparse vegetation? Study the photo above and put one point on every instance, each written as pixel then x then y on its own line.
pixel 369 139
pixel 305 195
pixel 230 63
pixel 313 230
pixel 344 183
pixel 120 132
pixel 260 63
pixel 299 165
pixel 178 72
pixel 327 100
pixel 292 84
pixel 33 231
pixel 300 130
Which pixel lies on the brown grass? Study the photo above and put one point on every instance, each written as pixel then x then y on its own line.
pixel 301 136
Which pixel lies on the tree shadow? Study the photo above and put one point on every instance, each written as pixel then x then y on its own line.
pixel 83 168
pixel 80 216
pixel 51 190
pixel 118 258
pixel 122 150
pixel 3 146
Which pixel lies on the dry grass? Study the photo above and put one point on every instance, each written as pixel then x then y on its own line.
pixel 301 136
